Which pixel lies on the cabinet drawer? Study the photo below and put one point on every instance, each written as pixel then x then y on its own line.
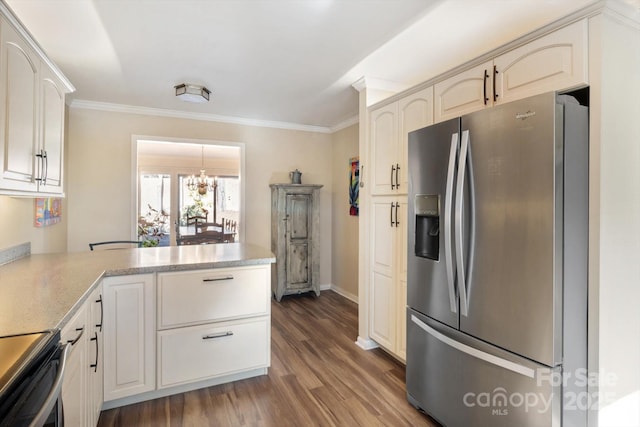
pixel 193 297
pixel 202 352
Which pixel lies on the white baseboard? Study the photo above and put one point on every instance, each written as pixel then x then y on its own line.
pixel 366 343
pixel 338 290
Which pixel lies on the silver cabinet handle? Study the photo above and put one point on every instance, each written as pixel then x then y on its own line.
pixel 448 202
pixel 361 176
pixel 42 155
pixel 217 279
pixel 54 393
pixel 46 167
pixel 218 335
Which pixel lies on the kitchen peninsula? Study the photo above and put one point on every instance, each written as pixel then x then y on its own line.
pixel 153 321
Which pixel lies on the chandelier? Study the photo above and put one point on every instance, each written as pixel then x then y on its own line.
pixel 202 183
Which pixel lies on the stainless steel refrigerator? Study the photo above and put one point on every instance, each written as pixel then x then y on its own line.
pixel 497 266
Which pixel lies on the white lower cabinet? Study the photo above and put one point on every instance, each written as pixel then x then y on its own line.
pixel 74 396
pixel 388 277
pixel 202 352
pixel 129 335
pixel 178 331
pixel 95 362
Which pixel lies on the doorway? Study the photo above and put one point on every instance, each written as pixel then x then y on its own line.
pixel 177 180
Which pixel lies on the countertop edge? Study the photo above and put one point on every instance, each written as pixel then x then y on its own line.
pixel 64 281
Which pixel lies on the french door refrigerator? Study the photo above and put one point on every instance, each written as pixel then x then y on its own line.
pixel 497 266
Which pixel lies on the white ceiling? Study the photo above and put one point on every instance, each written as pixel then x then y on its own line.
pixel 275 62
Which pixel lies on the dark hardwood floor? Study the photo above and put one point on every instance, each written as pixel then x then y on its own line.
pixel 318 377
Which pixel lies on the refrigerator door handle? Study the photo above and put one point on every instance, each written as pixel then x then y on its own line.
pixel 448 241
pixel 478 354
pixel 463 279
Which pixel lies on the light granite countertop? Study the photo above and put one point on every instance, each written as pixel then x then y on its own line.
pixel 41 292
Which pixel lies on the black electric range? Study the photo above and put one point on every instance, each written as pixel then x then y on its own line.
pixel 28 366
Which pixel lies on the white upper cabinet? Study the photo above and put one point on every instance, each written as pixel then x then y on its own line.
pixel 19 82
pixel 556 61
pixel 464 93
pixel 390 126
pixel 415 112
pixel 52 98
pixel 32 95
pixel 384 149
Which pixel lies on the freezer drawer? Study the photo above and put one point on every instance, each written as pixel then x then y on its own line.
pixel 461 381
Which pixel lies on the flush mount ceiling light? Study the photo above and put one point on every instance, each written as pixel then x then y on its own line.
pixel 192 93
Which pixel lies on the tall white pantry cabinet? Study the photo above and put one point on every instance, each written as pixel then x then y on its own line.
pixel 596 47
pixel 390 126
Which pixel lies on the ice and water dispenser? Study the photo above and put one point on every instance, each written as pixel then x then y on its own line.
pixel 427 213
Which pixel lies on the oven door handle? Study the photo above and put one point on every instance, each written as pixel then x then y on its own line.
pixel 54 393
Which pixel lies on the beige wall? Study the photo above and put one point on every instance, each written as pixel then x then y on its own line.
pixel 16 227
pixel 99 172
pixel 345 227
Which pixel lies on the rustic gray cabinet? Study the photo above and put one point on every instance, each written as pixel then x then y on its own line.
pixel 295 221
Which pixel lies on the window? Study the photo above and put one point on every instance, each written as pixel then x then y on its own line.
pixel 163 199
pixel 154 225
pixel 218 205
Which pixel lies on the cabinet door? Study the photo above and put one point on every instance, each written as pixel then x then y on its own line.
pixel 129 335
pixel 389 273
pixel 414 112
pixel 400 243
pixel 553 62
pixel 18 122
pixel 51 132
pixel 74 396
pixel 384 148
pixel 298 247
pixel 382 289
pixel 463 93
pixel 95 363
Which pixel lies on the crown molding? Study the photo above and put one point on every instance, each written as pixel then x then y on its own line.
pixel 345 124
pixel 159 112
pixel 378 84
pixel 8 14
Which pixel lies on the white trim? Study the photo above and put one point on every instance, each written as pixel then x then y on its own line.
pixel 142 397
pixel 345 124
pixel 366 344
pixel 348 295
pixel 326 287
pixel 490 358
pixel 31 41
pixel 593 8
pixel 160 112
